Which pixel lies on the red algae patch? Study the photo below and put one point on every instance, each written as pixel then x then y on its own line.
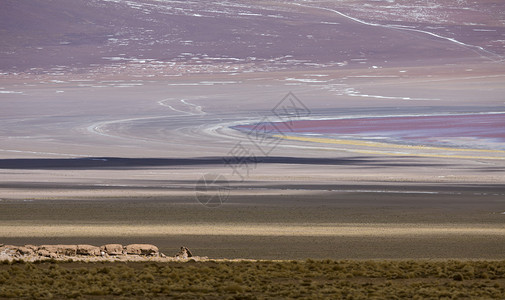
pixel 484 130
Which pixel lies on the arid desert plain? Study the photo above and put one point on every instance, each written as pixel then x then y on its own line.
pixel 353 129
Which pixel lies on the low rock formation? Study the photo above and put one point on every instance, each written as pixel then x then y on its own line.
pixel 27 249
pixel 108 252
pixel 142 249
pixel 112 249
pixel 88 250
pixel 66 250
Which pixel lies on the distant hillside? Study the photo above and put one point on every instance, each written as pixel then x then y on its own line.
pixel 39 35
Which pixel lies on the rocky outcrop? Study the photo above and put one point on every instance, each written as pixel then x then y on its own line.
pixel 112 249
pixel 8 249
pixel 83 252
pixel 142 249
pixel 66 250
pixel 47 250
pixel 89 250
pixel 45 253
pixel 26 250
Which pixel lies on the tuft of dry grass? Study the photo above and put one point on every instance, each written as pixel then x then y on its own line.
pixel 322 279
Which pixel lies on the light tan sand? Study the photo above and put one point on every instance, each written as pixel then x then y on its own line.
pixel 315 230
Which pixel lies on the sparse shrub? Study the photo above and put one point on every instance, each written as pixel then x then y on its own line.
pixel 146 277
pixel 95 291
pixel 74 294
pixel 305 279
pixel 458 277
pixel 18 261
pixel 103 270
pixel 51 261
pixel 116 291
pixel 233 288
pixel 43 294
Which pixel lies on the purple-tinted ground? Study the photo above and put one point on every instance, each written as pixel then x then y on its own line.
pixel 433 130
pixel 139 37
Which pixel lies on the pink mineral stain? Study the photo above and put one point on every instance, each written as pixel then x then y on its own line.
pixel 420 129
